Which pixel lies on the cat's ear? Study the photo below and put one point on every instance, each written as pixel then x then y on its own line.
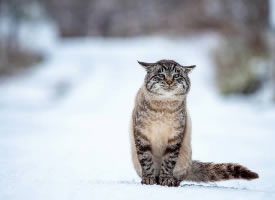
pixel 188 69
pixel 146 65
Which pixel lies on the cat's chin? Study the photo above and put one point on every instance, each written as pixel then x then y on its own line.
pixel 164 94
pixel 169 94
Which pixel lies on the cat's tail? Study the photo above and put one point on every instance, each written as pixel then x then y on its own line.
pixel 210 172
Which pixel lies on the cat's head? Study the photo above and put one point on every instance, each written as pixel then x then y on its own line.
pixel 167 78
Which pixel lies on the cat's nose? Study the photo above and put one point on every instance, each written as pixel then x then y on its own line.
pixel 169 81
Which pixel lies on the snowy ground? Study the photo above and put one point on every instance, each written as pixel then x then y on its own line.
pixel 64 125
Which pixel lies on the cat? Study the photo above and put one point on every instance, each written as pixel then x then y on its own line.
pixel 161 131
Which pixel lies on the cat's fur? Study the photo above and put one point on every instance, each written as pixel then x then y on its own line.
pixel 161 131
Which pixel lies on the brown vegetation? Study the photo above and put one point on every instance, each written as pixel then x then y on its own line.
pixel 14 56
pixel 131 17
pixel 240 68
pixel 17 60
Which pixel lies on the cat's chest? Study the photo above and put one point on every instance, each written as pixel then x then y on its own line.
pixel 159 129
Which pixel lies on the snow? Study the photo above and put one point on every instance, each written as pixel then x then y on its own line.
pixel 64 124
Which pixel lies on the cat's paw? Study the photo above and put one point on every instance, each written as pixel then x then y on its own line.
pixel 148 180
pixel 169 181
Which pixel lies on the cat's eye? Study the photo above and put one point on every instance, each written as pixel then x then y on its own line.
pixel 161 76
pixel 176 76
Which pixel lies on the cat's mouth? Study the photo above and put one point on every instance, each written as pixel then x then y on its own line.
pixel 170 87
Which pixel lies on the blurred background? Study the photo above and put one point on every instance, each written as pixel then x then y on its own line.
pixel 68 78
pixel 242 59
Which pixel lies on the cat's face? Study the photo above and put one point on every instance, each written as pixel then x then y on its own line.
pixel 167 78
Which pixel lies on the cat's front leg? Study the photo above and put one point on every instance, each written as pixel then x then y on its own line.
pixel 144 152
pixel 170 157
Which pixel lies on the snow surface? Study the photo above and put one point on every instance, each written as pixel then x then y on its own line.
pixel 64 124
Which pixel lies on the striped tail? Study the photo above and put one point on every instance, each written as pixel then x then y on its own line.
pixel 210 172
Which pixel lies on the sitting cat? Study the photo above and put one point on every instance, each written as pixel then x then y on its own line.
pixel 161 131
